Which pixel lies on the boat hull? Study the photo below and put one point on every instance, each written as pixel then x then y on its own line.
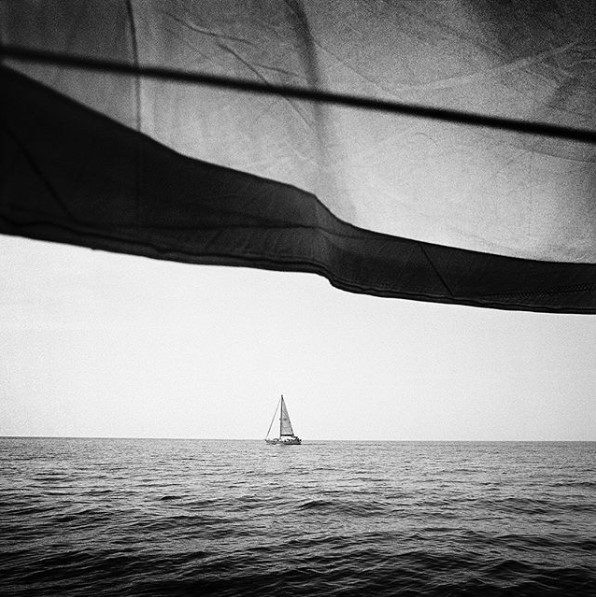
pixel 284 441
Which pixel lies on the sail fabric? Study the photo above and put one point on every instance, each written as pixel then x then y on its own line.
pixel 285 425
pixel 378 203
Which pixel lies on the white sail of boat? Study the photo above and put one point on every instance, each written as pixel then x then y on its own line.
pixel 286 432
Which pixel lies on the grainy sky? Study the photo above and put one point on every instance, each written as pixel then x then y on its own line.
pixel 99 344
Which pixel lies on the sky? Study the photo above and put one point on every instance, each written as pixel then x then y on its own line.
pixel 106 345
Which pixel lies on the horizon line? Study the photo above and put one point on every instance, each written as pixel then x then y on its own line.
pixel 313 440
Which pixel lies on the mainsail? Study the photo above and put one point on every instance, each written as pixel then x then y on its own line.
pixel 285 425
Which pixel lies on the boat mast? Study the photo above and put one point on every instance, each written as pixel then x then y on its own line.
pixel 281 410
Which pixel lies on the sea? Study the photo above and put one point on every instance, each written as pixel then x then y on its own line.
pixel 152 517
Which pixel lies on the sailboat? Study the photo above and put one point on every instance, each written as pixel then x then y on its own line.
pixel 286 433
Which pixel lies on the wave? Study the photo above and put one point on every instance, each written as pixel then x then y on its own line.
pixel 375 522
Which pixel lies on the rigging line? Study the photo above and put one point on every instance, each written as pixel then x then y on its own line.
pixel 301 93
pixel 271 425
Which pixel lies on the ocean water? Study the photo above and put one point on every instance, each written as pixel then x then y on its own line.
pixel 183 517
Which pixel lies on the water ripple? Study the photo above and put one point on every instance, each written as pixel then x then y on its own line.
pixel 174 518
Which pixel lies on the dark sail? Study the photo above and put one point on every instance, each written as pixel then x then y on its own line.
pixel 450 211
